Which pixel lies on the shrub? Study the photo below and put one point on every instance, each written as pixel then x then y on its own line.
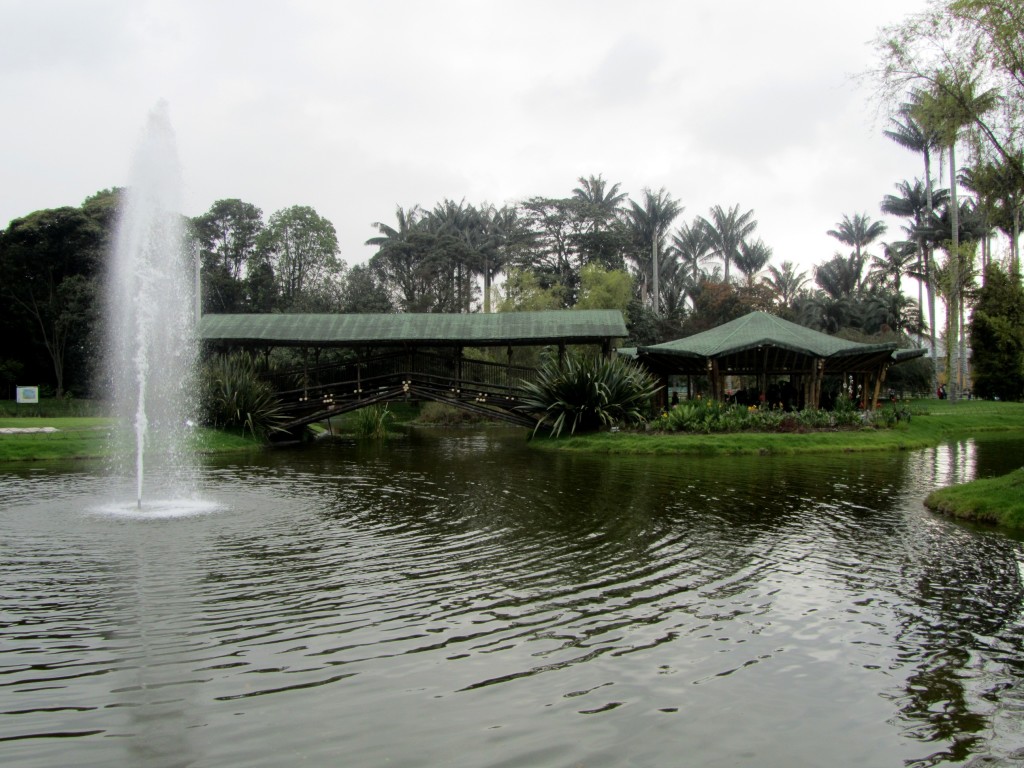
pixel 371 422
pixel 234 396
pixel 587 393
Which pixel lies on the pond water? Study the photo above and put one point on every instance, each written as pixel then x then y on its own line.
pixel 459 599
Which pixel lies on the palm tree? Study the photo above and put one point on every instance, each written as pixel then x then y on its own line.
pixel 397 261
pixel 785 282
pixel 752 258
pixel 601 204
pixel 508 236
pixel 727 229
pixel 887 271
pixel 650 223
pixel 693 247
pixel 998 187
pixel 918 203
pixel 947 109
pixel 840 277
pixel 859 232
pixel 917 136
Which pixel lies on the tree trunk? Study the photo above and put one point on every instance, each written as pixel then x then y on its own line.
pixel 654 261
pixel 929 269
pixel 954 280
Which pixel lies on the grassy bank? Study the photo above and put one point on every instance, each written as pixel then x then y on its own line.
pixel 998 500
pixel 932 422
pixel 83 437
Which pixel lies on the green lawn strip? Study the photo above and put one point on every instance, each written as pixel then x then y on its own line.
pixel 59 422
pixel 933 422
pixel 997 500
pixel 87 438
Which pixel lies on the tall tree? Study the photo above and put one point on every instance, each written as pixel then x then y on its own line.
pixel 997 337
pixel 227 237
pixel 953 103
pixel 49 262
pixel 910 133
pixel 727 229
pixel 303 249
pixel 363 293
pixel 999 189
pixel 887 270
pixel 957 43
pixel 752 258
pixel 401 262
pixel 600 203
pixel 554 256
pixel 918 202
pixel 601 237
pixel 858 232
pixel 651 221
pixel 693 246
pixel 785 283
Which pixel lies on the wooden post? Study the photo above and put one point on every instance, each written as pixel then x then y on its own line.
pixel 817 376
pixel 879 379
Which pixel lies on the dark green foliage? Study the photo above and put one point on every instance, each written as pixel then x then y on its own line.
pixel 587 393
pixel 711 416
pixel 235 396
pixel 997 337
pixel 371 422
pixel 49 264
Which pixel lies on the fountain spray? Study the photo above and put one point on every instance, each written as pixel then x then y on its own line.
pixel 151 354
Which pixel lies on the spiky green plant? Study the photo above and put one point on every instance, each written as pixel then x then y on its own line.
pixel 587 393
pixel 371 422
pixel 234 396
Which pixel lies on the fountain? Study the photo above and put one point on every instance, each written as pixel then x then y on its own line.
pixel 151 353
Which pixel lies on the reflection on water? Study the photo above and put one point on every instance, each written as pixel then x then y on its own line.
pixel 459 599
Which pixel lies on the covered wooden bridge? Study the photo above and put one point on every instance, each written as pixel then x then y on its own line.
pixel 765 347
pixel 407 356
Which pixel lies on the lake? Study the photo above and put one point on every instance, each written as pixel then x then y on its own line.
pixel 457 598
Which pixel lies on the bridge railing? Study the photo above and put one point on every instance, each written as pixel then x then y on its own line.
pixel 351 375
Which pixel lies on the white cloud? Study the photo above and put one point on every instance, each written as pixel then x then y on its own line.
pixel 354 108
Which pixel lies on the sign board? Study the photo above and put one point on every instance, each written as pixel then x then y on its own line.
pixel 28 394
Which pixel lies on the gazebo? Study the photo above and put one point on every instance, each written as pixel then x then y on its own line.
pixel 763 346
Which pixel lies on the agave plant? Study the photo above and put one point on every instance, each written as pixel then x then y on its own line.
pixel 587 393
pixel 235 396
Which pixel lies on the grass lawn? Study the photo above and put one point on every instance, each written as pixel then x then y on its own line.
pixel 998 500
pixel 933 422
pixel 82 437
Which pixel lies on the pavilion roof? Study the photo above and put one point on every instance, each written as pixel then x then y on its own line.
pixel 760 342
pixel 476 329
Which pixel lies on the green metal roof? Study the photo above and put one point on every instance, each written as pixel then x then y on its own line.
pixel 515 328
pixel 760 329
pixel 736 345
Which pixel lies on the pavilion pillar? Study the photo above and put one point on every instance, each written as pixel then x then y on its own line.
pixel 305 372
pixel 458 368
pixel 879 380
pixel 817 375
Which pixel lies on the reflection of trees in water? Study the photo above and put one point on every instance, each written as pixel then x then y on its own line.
pixel 961 637
pixel 501 544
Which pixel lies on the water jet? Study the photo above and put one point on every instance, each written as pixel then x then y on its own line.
pixel 151 350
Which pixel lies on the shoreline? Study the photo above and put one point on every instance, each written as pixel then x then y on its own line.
pixel 932 423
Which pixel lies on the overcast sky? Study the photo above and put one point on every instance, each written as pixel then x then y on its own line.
pixel 356 107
